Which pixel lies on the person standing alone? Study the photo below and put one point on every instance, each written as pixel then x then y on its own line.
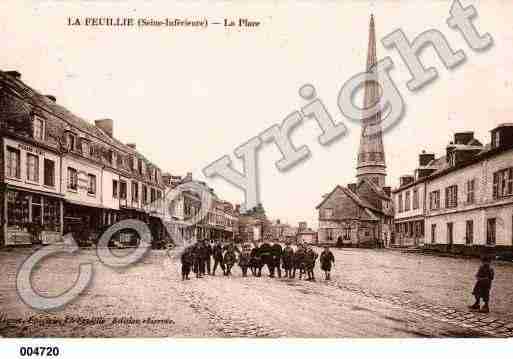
pixel 326 260
pixel 484 278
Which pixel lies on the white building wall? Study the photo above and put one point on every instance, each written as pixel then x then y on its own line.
pixel 411 212
pixel 25 149
pixel 83 169
pixel 483 208
pixel 108 201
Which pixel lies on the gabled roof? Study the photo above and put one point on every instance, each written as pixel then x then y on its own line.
pixel 368 215
pixel 378 191
pixel 359 201
pixel 327 195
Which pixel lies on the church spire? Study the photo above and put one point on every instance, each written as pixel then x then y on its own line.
pixel 371 154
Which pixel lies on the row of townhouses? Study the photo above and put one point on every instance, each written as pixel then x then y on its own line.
pixel 462 201
pixel 61 174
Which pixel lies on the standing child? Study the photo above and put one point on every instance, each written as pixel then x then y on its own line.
pixel 483 285
pixel 287 259
pixel 245 258
pixel 218 257
pixel 310 258
pixel 187 261
pixel 229 259
pixel 327 259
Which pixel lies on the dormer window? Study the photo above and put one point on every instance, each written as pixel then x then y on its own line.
pixel 497 139
pixel 452 159
pixel 70 141
pixel 120 161
pixel 86 147
pixel 38 128
pixel 141 167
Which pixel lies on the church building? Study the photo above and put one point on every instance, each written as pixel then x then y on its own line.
pixel 361 213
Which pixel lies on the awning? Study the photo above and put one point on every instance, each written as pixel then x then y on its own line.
pixel 35 191
pixel 85 204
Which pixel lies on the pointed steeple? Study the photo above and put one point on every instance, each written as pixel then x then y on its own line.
pixel 371 154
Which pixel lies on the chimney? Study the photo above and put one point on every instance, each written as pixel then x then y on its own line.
pixel 188 178
pixel 425 158
pixel 131 145
pixel 352 187
pixel 14 74
pixel 462 138
pixel 106 125
pixel 406 179
pixel 387 190
pixel 502 136
pixel 52 97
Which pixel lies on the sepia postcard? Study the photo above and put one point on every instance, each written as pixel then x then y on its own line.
pixel 255 169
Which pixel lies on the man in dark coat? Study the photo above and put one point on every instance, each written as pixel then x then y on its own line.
pixel 484 278
pixel 287 260
pixel 326 259
pixel 187 260
pixel 299 261
pixel 196 256
pixel 217 253
pixel 208 254
pixel 256 261
pixel 203 254
pixel 276 253
pixel 266 257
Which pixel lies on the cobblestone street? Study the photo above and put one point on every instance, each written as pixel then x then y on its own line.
pixel 372 294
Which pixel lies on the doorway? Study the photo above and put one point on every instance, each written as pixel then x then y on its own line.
pixel 450 237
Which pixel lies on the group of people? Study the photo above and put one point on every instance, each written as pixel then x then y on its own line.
pixel 253 257
pixel 197 258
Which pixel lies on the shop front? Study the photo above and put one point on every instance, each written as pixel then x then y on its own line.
pixel 32 217
pixel 83 222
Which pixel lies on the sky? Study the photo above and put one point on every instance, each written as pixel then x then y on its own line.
pixel 190 96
